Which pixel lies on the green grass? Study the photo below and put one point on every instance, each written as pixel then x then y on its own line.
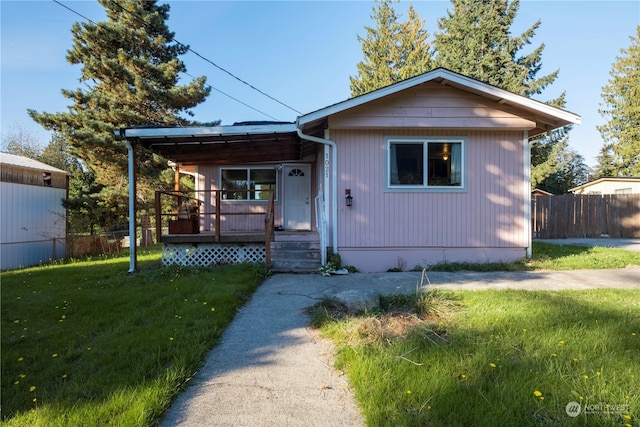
pixel 85 343
pixel 499 358
pixel 549 256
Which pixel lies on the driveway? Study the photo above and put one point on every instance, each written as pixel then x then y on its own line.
pixel 628 244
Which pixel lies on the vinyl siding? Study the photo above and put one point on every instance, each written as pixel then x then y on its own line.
pixel 489 214
pixel 431 105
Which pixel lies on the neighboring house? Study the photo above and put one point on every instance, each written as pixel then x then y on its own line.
pixel 630 185
pixel 539 192
pixel 434 168
pixel 33 229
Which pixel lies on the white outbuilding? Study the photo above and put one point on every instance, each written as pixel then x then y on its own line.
pixel 33 221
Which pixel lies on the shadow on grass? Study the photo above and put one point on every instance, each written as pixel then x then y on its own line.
pixel 502 348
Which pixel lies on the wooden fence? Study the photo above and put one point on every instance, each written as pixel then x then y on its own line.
pixel 577 215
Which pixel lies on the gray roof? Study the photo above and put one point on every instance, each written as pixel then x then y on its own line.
pixel 25 162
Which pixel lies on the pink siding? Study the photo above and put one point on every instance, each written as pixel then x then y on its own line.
pixel 489 215
pixel 431 105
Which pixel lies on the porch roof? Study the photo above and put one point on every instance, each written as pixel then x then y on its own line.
pixel 238 143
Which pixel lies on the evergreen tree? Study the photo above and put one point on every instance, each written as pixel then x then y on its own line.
pixel 475 40
pixel 392 50
pixel 57 154
pixel 130 73
pixel 571 172
pixel 620 155
pixel 606 166
pixel 415 49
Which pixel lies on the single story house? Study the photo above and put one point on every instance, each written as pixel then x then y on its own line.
pixel 628 185
pixel 431 169
pixel 539 192
pixel 34 223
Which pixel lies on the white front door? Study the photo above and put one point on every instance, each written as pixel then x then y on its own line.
pixel 297 197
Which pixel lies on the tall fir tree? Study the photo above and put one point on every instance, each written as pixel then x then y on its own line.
pixel 392 50
pixel 620 155
pixel 607 165
pixel 129 76
pixel 475 40
pixel 572 171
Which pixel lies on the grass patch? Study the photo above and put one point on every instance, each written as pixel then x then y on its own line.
pixel 496 358
pixel 85 343
pixel 549 256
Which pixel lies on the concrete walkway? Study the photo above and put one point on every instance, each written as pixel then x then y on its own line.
pixel 270 369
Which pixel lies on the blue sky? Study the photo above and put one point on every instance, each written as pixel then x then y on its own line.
pixel 300 52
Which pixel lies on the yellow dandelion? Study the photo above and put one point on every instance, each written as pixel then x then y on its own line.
pixel 32 388
pixel 581 398
pixel 54 355
pixel 561 342
pixel 626 416
pixel 598 373
pixel 493 365
pixel 586 377
pixel 554 355
pixel 524 330
pixel 170 338
pixel 541 397
pixel 408 391
pixel 34 399
pixel 20 359
pixel 537 393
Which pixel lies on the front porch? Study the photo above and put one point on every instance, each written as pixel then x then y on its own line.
pixel 251 179
pixel 198 229
pixel 288 251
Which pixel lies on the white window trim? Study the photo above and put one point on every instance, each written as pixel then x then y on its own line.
pixel 248 169
pixel 424 188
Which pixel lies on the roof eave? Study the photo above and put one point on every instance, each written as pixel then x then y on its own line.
pixel 202 131
pixel 455 80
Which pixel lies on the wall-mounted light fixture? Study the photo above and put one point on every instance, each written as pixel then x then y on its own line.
pixel 347 197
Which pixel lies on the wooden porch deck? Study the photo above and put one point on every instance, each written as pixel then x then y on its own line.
pixel 210 237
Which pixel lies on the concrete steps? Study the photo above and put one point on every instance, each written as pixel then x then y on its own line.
pixel 295 252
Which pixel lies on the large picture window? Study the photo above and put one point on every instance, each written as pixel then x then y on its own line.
pixel 425 163
pixel 236 179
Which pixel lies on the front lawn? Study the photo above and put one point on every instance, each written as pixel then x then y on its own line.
pixel 494 358
pixel 86 343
